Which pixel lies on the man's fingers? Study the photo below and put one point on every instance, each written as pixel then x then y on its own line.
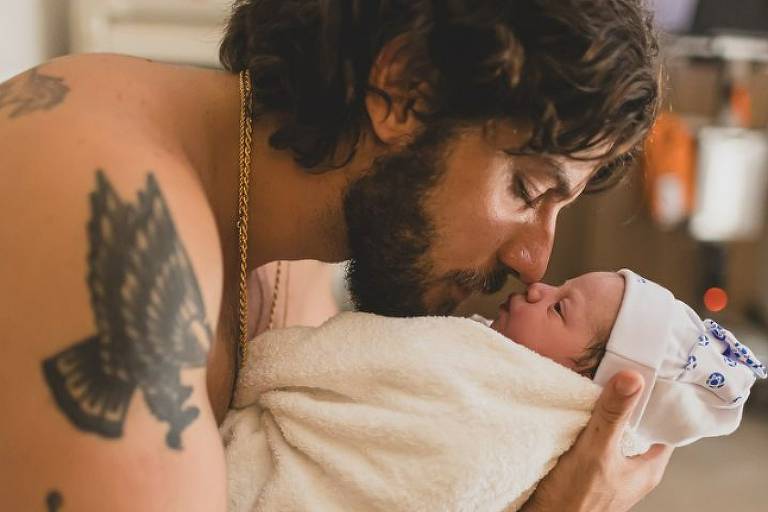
pixel 614 407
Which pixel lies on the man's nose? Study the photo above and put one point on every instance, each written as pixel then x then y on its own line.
pixel 537 292
pixel 528 250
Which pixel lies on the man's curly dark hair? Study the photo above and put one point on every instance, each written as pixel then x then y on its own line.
pixel 581 72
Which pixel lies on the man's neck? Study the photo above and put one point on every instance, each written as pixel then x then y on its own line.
pixel 292 214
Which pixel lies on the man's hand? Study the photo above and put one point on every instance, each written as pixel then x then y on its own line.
pixel 594 476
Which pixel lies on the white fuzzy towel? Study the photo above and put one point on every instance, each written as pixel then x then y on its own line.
pixel 371 413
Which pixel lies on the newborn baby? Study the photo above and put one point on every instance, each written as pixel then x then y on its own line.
pixel 698 375
pixel 441 413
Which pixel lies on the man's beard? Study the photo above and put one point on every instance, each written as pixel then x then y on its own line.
pixel 391 236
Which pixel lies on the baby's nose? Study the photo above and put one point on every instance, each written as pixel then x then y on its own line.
pixel 536 292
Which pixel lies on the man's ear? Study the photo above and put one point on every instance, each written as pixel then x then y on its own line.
pixel 394 123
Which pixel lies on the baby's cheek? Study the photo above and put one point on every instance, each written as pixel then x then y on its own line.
pixel 507 329
pixel 566 361
pixel 504 326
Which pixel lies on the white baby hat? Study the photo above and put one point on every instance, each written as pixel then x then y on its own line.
pixel 697 374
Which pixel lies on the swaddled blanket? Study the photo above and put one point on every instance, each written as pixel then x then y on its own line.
pixel 371 413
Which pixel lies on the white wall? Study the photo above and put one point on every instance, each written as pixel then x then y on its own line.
pixel 31 31
pixel 181 31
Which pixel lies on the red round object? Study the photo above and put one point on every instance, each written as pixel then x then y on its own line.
pixel 715 299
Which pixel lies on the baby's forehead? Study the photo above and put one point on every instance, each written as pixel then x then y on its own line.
pixel 604 292
pixel 599 284
pixel 603 274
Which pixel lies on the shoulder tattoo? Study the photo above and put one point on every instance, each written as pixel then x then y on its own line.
pixel 30 92
pixel 150 320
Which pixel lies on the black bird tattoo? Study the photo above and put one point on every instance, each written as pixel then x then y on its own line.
pixel 32 91
pixel 149 314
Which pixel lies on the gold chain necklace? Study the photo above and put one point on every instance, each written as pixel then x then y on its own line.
pixel 246 144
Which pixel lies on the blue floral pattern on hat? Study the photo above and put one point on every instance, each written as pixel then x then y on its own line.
pixel 716 380
pixel 737 352
pixel 716 331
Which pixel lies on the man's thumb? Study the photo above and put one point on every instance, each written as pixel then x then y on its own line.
pixel 615 405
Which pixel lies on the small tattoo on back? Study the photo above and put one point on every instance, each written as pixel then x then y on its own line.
pixel 150 320
pixel 54 501
pixel 31 92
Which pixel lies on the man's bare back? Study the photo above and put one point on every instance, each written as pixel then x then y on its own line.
pixel 103 161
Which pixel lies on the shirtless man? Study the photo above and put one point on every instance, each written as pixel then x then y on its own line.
pixel 433 145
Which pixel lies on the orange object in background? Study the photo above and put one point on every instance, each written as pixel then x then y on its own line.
pixel 669 170
pixel 715 299
pixel 741 105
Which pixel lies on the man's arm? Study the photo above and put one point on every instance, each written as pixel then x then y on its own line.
pixel 111 283
pixel 594 476
pixel 103 367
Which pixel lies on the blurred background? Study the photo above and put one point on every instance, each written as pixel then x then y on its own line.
pixel 691 216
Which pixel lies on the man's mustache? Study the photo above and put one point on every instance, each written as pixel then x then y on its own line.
pixel 483 281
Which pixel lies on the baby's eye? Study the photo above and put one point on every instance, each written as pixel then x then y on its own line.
pixel 559 309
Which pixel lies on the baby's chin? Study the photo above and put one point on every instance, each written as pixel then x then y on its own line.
pixel 496 326
pixel 503 325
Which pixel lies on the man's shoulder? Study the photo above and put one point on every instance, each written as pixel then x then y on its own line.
pixel 66 140
pixel 86 94
pixel 87 163
pixel 86 113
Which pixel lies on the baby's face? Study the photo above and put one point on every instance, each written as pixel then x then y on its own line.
pixel 560 322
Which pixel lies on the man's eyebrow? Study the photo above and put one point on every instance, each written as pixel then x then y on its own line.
pixel 563 188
